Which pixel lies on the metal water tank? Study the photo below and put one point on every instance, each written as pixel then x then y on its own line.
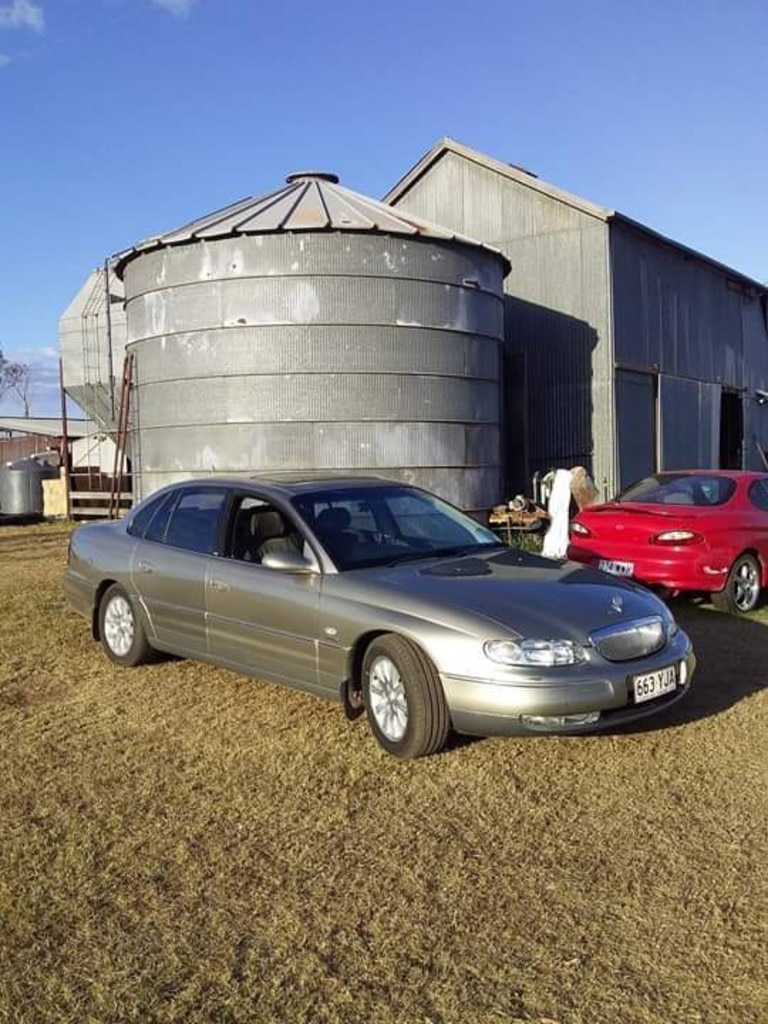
pixel 21 487
pixel 314 329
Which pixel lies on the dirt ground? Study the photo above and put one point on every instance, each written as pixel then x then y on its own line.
pixel 181 844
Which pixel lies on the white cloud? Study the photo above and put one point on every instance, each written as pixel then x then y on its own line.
pixel 176 7
pixel 22 14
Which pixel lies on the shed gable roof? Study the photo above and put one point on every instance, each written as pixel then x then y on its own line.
pixel 535 184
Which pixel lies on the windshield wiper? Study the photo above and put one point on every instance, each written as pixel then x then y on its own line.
pixel 455 552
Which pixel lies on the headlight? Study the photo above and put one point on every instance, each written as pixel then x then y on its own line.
pixel 670 626
pixel 534 652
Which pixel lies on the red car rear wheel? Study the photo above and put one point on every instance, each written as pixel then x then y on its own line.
pixel 742 588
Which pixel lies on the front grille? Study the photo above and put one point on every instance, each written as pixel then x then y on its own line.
pixel 628 640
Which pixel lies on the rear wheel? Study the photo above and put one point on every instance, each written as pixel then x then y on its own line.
pixel 742 588
pixel 120 628
pixel 404 698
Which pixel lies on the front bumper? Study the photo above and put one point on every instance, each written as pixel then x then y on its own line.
pixel 484 708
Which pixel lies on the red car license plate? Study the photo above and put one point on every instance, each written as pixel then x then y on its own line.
pixel 616 568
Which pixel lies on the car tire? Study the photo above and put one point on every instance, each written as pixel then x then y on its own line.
pixel 121 630
pixel 404 698
pixel 742 588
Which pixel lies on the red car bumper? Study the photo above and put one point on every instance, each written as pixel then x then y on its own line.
pixel 694 567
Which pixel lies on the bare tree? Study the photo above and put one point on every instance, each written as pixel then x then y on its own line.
pixel 16 378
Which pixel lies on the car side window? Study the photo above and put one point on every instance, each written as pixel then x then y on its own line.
pixel 758 494
pixel 144 515
pixel 195 523
pixel 258 528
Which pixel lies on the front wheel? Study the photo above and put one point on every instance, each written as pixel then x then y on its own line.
pixel 742 588
pixel 121 631
pixel 404 698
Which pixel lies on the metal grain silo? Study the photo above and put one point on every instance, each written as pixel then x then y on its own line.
pixel 21 487
pixel 313 329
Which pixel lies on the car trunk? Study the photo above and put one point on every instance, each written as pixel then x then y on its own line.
pixel 633 523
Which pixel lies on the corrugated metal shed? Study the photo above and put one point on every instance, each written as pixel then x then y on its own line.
pixel 557 315
pixel 637 352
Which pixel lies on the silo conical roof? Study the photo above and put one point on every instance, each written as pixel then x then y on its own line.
pixel 309 201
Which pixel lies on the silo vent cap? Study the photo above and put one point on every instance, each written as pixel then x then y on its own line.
pixel 312 176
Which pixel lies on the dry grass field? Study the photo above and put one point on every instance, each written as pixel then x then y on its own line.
pixel 181 844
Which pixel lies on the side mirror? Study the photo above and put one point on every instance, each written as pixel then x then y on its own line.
pixel 289 562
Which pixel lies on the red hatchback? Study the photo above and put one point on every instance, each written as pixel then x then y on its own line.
pixel 689 530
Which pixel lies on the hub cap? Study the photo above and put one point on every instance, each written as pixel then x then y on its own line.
pixel 119 626
pixel 389 705
pixel 746 586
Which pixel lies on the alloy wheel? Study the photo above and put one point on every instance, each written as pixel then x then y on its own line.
pixel 746 586
pixel 388 702
pixel 119 626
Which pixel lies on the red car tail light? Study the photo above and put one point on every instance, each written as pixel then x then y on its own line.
pixel 677 537
pixel 580 529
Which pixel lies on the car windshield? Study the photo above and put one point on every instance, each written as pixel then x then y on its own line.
pixel 697 489
pixel 367 526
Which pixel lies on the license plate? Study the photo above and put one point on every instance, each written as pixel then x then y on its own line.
pixel 616 568
pixel 654 684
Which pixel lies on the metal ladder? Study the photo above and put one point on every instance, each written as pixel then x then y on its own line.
pixel 121 438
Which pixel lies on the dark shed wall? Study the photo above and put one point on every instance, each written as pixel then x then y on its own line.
pixel 557 312
pixel 697 331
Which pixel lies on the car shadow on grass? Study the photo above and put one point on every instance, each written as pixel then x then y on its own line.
pixel 732 663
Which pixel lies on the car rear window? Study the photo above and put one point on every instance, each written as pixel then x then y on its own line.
pixel 693 489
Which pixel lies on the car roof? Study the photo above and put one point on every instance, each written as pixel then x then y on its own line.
pixel 295 483
pixel 286 484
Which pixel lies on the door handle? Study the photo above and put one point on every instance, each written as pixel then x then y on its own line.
pixel 145 567
pixel 219 585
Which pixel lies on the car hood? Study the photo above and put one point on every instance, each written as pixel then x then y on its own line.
pixel 526 594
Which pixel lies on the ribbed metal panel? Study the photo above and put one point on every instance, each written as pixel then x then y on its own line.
pixel 677 314
pixel 319 398
pixel 353 352
pixel 307 254
pixel 320 348
pixel 323 300
pixel 700 329
pixel 557 305
pixel 238 447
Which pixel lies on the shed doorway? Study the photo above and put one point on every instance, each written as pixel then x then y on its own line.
pixel 636 425
pixel 731 429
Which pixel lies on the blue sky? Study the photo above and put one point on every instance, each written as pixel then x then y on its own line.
pixel 121 118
